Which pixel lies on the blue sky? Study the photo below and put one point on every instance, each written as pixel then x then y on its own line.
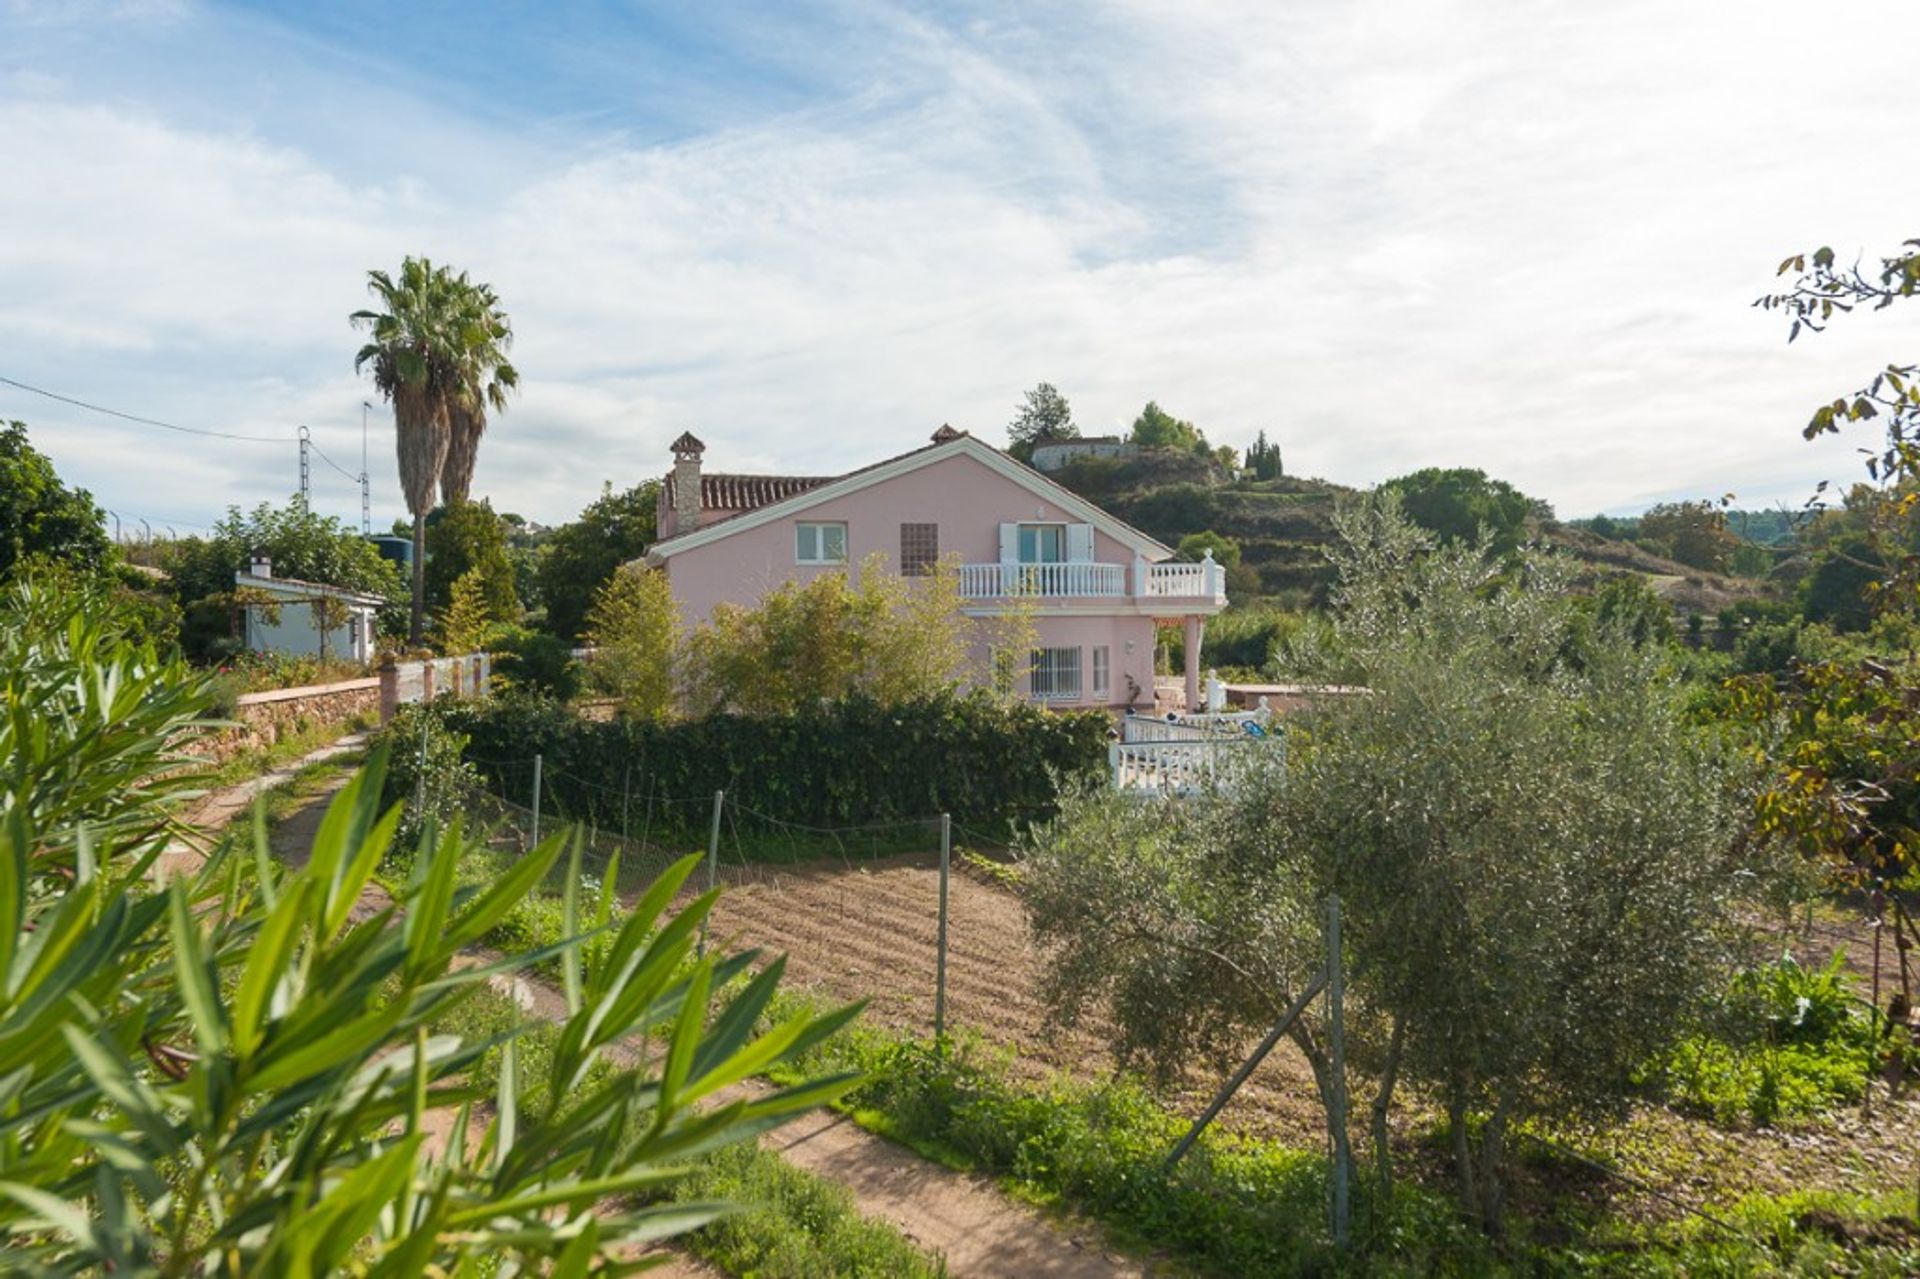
pixel 1392 234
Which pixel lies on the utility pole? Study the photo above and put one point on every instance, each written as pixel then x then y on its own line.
pixel 306 467
pixel 366 492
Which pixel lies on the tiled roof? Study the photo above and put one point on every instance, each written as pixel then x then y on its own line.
pixel 732 495
pixel 735 494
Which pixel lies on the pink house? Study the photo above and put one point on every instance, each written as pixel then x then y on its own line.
pixel 1092 585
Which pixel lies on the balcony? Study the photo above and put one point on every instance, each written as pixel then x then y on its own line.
pixel 1143 583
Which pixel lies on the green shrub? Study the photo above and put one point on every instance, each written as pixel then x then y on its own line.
pixel 429 773
pixel 1787 1042
pixel 225 1073
pixel 850 762
pixel 535 662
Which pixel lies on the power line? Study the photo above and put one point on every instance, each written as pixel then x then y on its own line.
pixel 335 465
pixel 149 421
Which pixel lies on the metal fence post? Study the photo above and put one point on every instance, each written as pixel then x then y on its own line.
pixel 420 789
pixel 536 800
pixel 713 859
pixel 626 794
pixel 1337 1050
pixel 940 949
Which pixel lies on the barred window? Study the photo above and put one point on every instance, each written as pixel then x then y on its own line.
pixel 919 549
pixel 1055 675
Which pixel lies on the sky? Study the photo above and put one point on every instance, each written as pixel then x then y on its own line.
pixel 1521 236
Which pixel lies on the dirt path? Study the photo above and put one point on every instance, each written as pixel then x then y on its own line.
pixel 212 812
pixel 964 1218
pixel 981 1233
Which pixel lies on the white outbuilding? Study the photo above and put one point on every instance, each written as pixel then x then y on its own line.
pixel 292 623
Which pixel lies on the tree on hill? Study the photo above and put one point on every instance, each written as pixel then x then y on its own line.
pixel 581 557
pixel 1457 503
pixel 1694 533
pixel 39 515
pixel 1157 428
pixel 1263 458
pixel 1193 546
pixel 1044 417
pixel 467 537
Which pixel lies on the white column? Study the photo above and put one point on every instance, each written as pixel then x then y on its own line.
pixel 1193 632
pixel 1139 575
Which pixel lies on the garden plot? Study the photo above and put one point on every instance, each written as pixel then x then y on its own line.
pixel 867 931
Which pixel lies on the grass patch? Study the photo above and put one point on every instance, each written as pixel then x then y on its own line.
pixel 1233 1206
pixel 795 1225
pixel 309 737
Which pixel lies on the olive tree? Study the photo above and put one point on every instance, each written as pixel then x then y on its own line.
pixel 1538 860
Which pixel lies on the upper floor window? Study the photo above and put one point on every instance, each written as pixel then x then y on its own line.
pixel 820 543
pixel 1043 543
pixel 919 549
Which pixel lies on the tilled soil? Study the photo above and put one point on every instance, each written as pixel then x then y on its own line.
pixel 868 931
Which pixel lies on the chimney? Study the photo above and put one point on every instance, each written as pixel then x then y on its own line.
pixel 686 482
pixel 260 566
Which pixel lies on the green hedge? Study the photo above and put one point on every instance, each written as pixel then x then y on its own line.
pixel 845 763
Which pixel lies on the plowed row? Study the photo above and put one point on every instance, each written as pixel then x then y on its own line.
pixel 867 931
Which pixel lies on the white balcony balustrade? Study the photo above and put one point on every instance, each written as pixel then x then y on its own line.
pixel 1204 581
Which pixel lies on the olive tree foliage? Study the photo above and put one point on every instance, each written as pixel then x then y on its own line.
pixel 1538 860
pixel 230 1069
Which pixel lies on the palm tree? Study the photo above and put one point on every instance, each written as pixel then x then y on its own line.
pixel 413 353
pixel 485 377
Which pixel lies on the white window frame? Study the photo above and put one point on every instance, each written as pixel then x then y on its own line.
pixel 817 528
pixel 1049 679
pixel 1102 670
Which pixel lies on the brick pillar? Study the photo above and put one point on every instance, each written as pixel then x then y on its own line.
pixel 389 690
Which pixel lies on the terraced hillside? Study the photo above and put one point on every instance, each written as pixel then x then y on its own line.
pixel 1283 527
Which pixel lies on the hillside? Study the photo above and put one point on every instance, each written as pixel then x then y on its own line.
pixel 1284 526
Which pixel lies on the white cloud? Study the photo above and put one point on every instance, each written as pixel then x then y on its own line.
pixel 1391 234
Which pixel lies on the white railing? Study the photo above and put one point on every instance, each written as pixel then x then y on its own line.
pixel 1180 579
pixel 1189 767
pixel 1231 725
pixel 995 581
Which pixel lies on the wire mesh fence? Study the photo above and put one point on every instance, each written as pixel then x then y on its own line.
pixel 887 911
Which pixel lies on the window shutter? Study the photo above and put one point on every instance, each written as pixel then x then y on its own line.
pixel 1080 543
pixel 1009 543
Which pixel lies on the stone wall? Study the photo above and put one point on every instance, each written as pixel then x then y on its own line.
pixel 267 718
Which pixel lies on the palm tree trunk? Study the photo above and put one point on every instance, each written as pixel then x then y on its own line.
pixel 416 630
